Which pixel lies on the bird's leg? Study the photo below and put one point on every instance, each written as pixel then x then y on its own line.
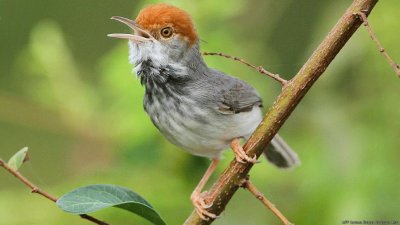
pixel 240 154
pixel 197 196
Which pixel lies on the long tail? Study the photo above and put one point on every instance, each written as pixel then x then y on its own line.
pixel 280 154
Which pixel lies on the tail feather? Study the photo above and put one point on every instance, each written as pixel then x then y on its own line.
pixel 280 154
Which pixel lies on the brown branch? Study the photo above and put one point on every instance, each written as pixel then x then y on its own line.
pixel 392 63
pixel 259 69
pixel 253 189
pixel 35 189
pixel 92 219
pixel 228 183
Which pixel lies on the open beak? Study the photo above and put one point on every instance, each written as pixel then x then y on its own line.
pixel 140 35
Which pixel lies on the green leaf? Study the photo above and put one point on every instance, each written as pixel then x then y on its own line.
pixel 96 197
pixel 18 159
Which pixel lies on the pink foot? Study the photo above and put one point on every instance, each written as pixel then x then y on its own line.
pixel 201 206
pixel 240 154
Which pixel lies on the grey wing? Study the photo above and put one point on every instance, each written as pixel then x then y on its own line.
pixel 235 95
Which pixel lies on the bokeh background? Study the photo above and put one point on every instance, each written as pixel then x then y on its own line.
pixel 68 93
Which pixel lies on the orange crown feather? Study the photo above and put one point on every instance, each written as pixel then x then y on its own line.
pixel 159 15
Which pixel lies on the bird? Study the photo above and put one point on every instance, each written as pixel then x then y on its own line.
pixel 197 108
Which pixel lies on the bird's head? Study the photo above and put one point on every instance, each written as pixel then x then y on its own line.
pixel 163 34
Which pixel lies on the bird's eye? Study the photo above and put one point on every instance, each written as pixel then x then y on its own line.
pixel 166 32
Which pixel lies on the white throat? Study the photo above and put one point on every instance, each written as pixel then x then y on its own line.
pixel 155 53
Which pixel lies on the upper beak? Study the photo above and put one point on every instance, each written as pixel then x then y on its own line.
pixel 140 35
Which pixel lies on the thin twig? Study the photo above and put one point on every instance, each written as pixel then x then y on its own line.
pixel 92 219
pixel 252 189
pixel 20 177
pixel 259 69
pixel 393 64
pixel 35 189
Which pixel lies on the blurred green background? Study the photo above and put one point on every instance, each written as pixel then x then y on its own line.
pixel 68 92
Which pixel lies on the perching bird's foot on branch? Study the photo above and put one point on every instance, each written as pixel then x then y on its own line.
pixel 199 198
pixel 240 154
pixel 201 206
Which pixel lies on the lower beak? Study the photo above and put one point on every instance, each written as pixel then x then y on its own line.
pixel 140 35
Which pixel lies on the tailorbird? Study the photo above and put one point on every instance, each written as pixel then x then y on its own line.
pixel 200 109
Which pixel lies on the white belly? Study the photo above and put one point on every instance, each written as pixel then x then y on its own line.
pixel 200 132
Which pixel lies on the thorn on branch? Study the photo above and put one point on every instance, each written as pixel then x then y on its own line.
pixel 35 190
pixel 363 17
pixel 259 69
pixel 244 182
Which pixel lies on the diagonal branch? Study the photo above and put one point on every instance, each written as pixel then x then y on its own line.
pixel 35 189
pixel 228 183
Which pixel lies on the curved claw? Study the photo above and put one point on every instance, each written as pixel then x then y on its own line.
pixel 203 203
pixel 239 159
pixel 242 157
pixel 200 213
pixel 254 160
pixel 201 206
pixel 240 154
